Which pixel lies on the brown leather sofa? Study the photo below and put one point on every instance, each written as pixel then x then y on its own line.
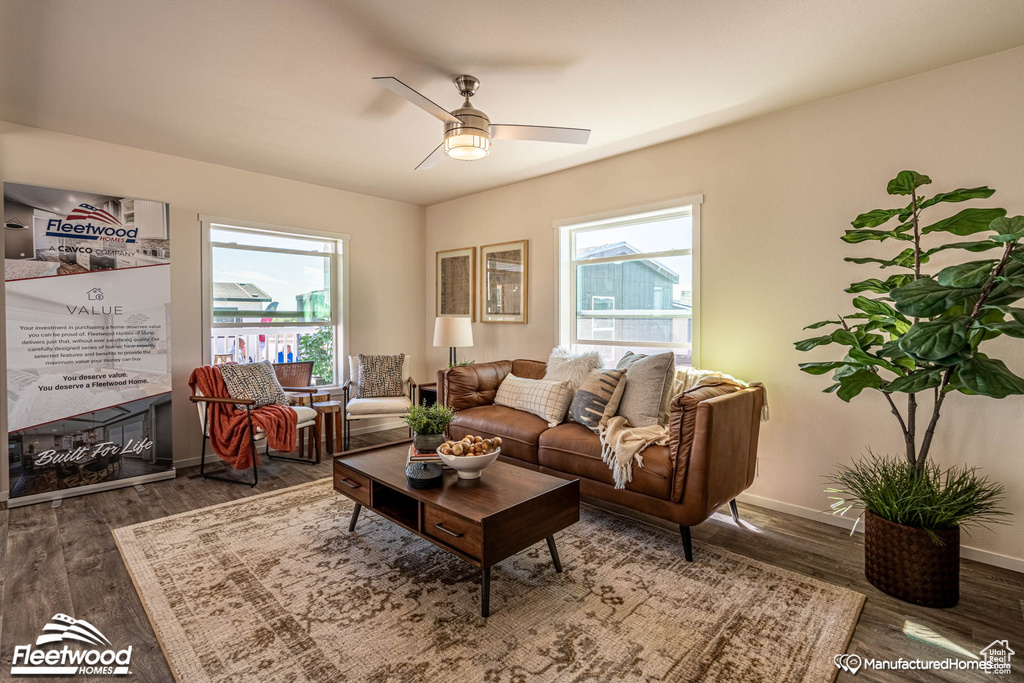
pixel 710 458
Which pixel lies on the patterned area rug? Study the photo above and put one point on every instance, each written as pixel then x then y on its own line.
pixel 274 588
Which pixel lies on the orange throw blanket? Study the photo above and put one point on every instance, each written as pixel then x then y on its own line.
pixel 229 427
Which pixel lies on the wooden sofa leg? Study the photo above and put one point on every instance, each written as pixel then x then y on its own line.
pixel 684 531
pixel 735 512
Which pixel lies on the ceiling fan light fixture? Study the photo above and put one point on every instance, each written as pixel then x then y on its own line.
pixel 467 146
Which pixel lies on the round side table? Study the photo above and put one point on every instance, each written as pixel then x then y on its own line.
pixel 328 422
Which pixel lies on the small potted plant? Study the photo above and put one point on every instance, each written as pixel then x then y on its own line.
pixel 428 425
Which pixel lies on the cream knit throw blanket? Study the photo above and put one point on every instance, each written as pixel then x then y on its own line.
pixel 622 444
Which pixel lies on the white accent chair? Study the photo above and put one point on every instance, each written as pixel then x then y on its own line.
pixel 306 420
pixel 375 408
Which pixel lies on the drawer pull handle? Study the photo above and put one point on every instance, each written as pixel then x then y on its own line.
pixel 456 534
pixel 347 483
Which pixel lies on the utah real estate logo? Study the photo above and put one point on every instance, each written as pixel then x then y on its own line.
pixel 93 654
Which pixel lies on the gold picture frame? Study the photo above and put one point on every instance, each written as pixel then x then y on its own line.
pixel 505 282
pixel 455 283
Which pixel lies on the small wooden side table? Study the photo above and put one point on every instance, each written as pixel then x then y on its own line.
pixel 328 421
pixel 428 393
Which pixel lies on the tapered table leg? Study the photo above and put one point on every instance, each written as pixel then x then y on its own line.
pixel 554 555
pixel 485 592
pixel 355 517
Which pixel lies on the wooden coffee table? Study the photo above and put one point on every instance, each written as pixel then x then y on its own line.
pixel 483 520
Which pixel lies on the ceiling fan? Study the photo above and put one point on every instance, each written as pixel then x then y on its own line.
pixel 468 132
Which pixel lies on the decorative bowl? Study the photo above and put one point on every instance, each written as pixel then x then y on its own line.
pixel 469 466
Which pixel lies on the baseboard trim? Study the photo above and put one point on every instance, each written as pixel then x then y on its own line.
pixel 976 554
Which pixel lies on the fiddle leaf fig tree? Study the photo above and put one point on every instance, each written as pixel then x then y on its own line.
pixel 917 331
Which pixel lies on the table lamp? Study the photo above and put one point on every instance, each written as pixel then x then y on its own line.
pixel 453 332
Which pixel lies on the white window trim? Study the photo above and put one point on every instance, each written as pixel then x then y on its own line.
pixel 339 299
pixel 565 319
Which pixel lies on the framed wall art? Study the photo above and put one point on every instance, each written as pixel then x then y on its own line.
pixel 456 275
pixel 504 284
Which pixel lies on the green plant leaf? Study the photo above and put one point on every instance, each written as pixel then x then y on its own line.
pixel 961 195
pixel 808 344
pixel 905 259
pixel 967 222
pixel 874 218
pixel 970 274
pixel 863 357
pixel 857 236
pixel 845 337
pixel 906 182
pixel 822 323
pixel 874 307
pixel 989 377
pixel 926 298
pixel 873 284
pixel 1012 328
pixel 915 382
pixel 937 339
pixel 1009 229
pixel 820 368
pixel 831 389
pixel 983 245
pixel 851 385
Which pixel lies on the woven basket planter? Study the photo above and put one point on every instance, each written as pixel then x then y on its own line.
pixel 907 564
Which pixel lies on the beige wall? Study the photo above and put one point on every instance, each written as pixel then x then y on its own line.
pixel 386 245
pixel 778 191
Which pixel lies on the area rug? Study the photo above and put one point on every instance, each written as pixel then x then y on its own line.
pixel 274 588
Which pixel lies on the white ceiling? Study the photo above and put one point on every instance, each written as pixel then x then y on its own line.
pixel 284 87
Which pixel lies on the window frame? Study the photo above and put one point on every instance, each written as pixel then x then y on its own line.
pixel 339 270
pixel 566 265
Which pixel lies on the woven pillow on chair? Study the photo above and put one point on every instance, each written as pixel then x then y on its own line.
pixel 380 376
pixel 256 381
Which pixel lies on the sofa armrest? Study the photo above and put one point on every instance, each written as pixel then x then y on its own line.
pixel 713 443
pixel 470 386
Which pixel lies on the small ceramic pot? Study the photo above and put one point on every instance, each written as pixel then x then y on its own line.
pixel 427 443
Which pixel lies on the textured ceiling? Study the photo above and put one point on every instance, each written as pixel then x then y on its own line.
pixel 284 87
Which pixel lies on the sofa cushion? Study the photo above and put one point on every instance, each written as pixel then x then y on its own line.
pixel 574 449
pixel 519 431
pixel 548 399
pixel 379 376
pixel 255 381
pixel 469 386
pixel 648 384
pixel 597 397
pixel 564 364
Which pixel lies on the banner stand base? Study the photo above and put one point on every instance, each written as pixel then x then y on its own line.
pixel 92 488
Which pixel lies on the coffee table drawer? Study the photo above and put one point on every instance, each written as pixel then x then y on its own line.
pixel 453 530
pixel 352 484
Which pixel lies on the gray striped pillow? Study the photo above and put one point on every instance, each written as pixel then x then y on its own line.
pixel 598 395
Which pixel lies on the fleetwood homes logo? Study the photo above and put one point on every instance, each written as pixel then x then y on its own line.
pixel 89 223
pixel 97 658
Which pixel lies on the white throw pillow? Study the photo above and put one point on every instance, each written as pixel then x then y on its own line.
pixel 547 399
pixel 574 367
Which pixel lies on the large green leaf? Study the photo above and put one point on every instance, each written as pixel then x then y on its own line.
pixel 1009 229
pixel 857 236
pixel 845 337
pixel 989 377
pixel 926 298
pixel 905 259
pixel 808 344
pixel 873 284
pixel 853 384
pixel 863 357
pixel 906 182
pixel 961 195
pixel 874 307
pixel 820 368
pixel 970 274
pixel 937 339
pixel 822 323
pixel 983 245
pixel 915 382
pixel 967 222
pixel 1014 327
pixel 874 218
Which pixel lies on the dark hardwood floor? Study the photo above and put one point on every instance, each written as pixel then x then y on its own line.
pixel 64 559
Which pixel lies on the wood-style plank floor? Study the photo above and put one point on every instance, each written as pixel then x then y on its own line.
pixel 65 560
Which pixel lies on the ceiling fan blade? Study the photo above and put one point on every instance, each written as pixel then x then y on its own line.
pixel 396 86
pixel 575 136
pixel 432 159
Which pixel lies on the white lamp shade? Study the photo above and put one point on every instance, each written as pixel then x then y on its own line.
pixel 453 332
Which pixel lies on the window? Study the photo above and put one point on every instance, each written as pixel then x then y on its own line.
pixel 274 294
pixel 628 282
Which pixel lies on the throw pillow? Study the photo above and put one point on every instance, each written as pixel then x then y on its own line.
pixel 649 386
pixel 563 364
pixel 547 399
pixel 256 381
pixel 353 373
pixel 380 376
pixel 597 397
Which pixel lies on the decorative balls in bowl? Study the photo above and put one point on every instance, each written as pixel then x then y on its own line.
pixel 470 456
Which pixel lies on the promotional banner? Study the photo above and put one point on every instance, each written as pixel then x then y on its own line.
pixel 88 297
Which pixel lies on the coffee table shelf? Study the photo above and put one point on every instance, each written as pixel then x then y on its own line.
pixel 481 521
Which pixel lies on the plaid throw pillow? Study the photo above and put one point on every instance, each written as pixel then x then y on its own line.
pixel 380 376
pixel 254 380
pixel 545 398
